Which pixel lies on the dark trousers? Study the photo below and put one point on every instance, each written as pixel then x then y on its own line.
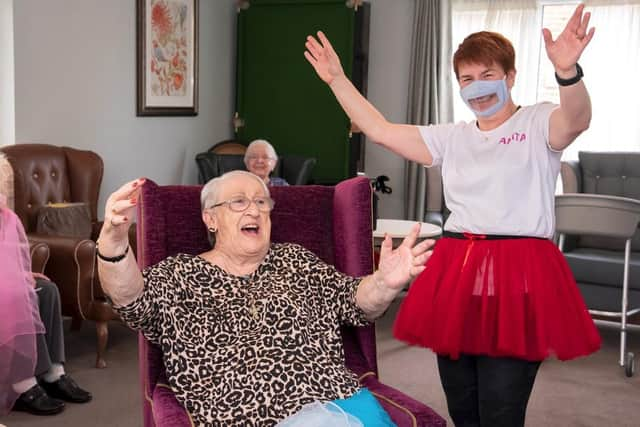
pixel 487 391
pixel 50 345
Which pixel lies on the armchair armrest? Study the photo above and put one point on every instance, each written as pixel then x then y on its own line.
pixel 597 215
pixel 39 256
pixel 571 176
pixel 72 268
pixel 403 410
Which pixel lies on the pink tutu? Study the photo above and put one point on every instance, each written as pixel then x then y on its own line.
pixel 511 298
pixel 18 307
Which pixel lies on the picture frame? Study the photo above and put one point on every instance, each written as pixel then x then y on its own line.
pixel 167 57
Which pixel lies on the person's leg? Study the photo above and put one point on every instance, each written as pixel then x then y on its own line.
pixel 33 398
pixel 53 378
pixel 52 342
pixel 460 383
pixel 504 387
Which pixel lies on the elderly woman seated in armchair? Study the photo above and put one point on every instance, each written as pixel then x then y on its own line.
pixel 249 330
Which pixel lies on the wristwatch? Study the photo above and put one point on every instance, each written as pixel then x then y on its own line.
pixel 113 259
pixel 572 80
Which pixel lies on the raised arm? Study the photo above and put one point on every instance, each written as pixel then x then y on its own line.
pixel 574 115
pixel 404 140
pixel 120 278
pixel 395 269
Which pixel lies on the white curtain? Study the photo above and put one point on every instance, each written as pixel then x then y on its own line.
pixel 611 66
pixel 610 62
pixel 429 96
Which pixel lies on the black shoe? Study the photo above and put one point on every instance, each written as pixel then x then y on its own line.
pixel 36 401
pixel 66 389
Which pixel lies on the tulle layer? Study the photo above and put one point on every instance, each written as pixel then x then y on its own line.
pixel 502 298
pixel 20 320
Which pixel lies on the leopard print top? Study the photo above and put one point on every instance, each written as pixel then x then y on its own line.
pixel 249 351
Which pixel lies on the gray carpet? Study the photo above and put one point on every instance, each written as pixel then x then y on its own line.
pixel 591 391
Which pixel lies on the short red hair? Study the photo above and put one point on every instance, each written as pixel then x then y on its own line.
pixel 487 48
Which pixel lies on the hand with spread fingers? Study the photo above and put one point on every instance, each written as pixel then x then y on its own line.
pixel 400 265
pixel 395 269
pixel 566 49
pixel 119 210
pixel 323 58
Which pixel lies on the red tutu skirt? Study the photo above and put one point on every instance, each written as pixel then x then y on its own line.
pixel 501 298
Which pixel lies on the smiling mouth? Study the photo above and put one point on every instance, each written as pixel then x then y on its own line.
pixel 482 99
pixel 250 229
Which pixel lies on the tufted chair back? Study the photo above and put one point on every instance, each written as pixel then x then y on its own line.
pixel 50 174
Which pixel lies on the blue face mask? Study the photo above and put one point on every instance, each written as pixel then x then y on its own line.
pixel 480 88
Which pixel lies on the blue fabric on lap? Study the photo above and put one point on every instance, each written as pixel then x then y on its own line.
pixel 366 408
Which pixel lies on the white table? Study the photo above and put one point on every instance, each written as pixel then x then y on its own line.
pixel 399 228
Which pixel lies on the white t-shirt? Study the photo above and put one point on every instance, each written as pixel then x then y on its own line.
pixel 500 181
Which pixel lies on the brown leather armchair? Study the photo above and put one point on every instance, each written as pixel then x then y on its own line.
pixel 46 174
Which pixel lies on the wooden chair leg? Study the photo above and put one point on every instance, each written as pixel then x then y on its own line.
pixel 102 331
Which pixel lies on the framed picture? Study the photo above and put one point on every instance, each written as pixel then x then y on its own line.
pixel 167 57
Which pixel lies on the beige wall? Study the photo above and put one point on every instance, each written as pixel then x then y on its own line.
pixel 75 85
pixel 389 61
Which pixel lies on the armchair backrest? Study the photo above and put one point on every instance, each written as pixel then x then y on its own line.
pixel 333 222
pixel 296 170
pixel 46 174
pixel 228 146
pixel 604 173
pixel 211 165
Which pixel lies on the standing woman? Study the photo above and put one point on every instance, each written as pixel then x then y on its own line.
pixel 497 297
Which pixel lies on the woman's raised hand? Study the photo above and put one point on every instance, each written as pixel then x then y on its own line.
pixel 323 58
pixel 398 266
pixel 564 51
pixel 119 210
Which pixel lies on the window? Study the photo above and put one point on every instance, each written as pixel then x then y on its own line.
pixel 610 62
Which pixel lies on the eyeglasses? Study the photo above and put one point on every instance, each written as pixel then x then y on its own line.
pixel 263 158
pixel 241 203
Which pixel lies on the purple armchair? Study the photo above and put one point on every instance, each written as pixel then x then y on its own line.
pixel 334 222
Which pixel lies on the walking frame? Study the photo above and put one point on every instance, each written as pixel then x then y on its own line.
pixel 609 216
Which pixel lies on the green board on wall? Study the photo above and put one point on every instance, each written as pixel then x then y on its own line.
pixel 278 94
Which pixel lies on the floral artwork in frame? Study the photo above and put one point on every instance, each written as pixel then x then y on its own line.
pixel 167 57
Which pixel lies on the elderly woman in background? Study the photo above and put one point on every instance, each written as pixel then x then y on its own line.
pixel 250 330
pixel 260 159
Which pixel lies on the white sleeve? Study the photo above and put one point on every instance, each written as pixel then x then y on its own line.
pixel 435 138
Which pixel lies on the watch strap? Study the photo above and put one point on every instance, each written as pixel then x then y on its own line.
pixel 116 258
pixel 573 80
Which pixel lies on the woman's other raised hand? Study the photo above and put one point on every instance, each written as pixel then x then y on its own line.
pixel 119 211
pixel 323 58
pixel 566 49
